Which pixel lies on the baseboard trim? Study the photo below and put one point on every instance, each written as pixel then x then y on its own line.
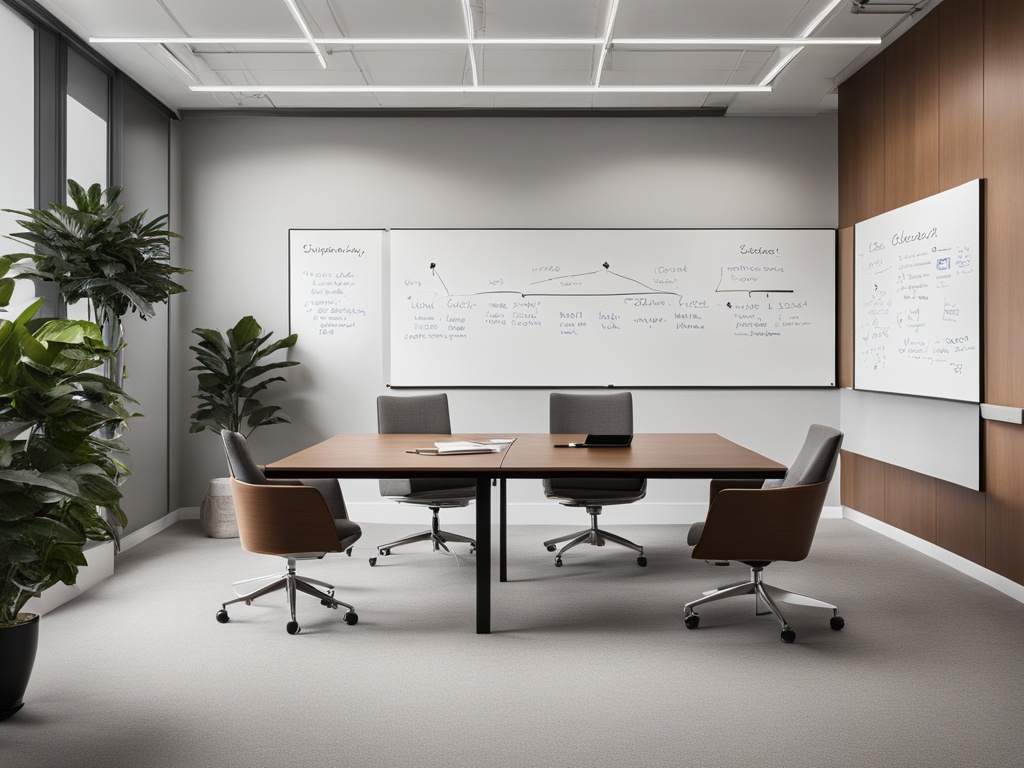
pixel 100 565
pixel 137 537
pixel 944 556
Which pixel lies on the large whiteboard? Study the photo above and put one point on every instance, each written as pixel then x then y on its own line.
pixel 695 308
pixel 335 284
pixel 917 298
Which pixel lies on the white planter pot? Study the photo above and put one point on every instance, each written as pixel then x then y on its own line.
pixel 217 512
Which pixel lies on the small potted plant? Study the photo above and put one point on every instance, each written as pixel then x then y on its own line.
pixel 233 370
pixel 59 474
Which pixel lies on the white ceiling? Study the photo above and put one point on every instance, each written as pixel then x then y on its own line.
pixel 805 86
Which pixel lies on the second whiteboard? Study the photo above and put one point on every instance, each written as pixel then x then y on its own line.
pixel 569 308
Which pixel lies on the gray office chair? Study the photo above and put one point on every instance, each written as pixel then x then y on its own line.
pixel 758 523
pixel 423 414
pixel 598 414
pixel 289 518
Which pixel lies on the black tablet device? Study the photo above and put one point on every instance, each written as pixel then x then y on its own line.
pixel 607 441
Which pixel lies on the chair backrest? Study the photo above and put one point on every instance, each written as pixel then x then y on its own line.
pixel 283 519
pixel 418 414
pixel 240 460
pixel 598 414
pixel 817 458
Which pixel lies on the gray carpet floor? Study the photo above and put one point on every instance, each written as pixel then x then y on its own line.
pixel 588 665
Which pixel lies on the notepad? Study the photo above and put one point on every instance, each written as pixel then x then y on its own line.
pixel 450 447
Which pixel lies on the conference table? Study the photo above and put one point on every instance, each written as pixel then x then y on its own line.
pixel 651 455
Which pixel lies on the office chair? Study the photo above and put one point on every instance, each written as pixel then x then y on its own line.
pixel 423 414
pixel 268 511
pixel 759 525
pixel 597 414
pixel 291 521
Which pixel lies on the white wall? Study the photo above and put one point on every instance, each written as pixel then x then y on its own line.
pixel 248 179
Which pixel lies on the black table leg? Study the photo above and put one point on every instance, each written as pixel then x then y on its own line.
pixel 502 531
pixel 483 555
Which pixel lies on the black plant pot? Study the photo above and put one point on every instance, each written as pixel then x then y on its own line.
pixel 17 655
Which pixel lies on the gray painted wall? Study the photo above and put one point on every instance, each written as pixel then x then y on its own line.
pixel 145 164
pixel 247 179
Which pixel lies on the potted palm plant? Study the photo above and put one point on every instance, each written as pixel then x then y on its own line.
pixel 59 472
pixel 233 371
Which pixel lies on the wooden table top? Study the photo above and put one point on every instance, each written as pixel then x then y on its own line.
pixel 665 455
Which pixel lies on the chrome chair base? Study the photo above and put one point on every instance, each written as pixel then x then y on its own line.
pixel 763 593
pixel 292 584
pixel 439 540
pixel 269 576
pixel 594 536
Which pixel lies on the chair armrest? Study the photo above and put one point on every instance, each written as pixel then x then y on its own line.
pixel 725 483
pixel 763 524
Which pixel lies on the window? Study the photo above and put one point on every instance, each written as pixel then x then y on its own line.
pixel 17 134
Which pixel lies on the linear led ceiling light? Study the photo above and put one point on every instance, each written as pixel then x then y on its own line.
pixel 538 42
pixel 305 31
pixel 608 27
pixel 178 64
pixel 592 89
pixel 467 18
pixel 784 61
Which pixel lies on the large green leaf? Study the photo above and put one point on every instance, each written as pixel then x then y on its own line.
pixel 52 481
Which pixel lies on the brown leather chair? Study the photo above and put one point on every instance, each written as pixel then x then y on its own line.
pixel 760 525
pixel 294 522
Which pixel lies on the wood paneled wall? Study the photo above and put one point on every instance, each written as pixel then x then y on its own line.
pixel 942 105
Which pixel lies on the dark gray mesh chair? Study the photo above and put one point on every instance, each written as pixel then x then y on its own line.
pixel 593 414
pixel 295 519
pixel 423 414
pixel 758 523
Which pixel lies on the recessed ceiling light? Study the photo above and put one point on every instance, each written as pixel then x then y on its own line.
pixel 591 89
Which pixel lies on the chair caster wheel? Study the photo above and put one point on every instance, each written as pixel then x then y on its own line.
pixel 373 561
pixel 692 621
pixel 222 616
pixel 351 618
pixel 292 627
pixel 472 550
pixel 788 635
pixel 837 623
pixel 551 547
pixel 349 551
pixel 558 562
pixel 641 561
